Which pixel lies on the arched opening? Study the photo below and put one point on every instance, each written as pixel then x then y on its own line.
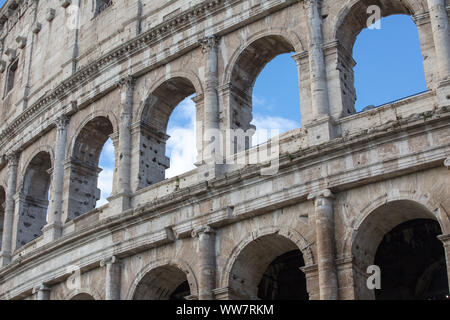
pixel 163 283
pixel 246 94
pixel 400 237
pixel 384 42
pixel 412 262
pixel 83 296
pixel 84 167
pixel 276 99
pixel 107 164
pixel 33 204
pixel 154 138
pixel 268 268
pixel 389 62
pixel 181 147
pixel 2 212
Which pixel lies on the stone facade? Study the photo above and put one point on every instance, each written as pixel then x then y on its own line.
pixel 75 73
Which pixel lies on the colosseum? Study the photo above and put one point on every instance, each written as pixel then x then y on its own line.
pixel 313 213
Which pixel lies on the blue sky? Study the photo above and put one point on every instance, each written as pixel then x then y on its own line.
pixel 389 67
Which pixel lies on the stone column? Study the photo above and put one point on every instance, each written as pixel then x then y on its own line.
pixel 53 230
pixel 328 285
pixel 441 36
pixel 206 262
pixel 5 255
pixel 43 292
pixel 445 238
pixel 124 160
pixel 319 86
pixel 211 98
pixel 113 277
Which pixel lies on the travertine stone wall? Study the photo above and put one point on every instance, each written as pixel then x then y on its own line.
pixel 341 182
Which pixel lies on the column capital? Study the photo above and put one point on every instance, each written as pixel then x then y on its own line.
pixel 311 3
pixel 41 287
pixel 322 194
pixel 299 56
pixel 13 158
pixel 109 260
pixel 447 163
pixel 62 122
pixel 127 82
pixel 445 239
pixel 209 43
pixel 205 230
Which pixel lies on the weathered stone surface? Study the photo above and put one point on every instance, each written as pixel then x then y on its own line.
pixel 118 71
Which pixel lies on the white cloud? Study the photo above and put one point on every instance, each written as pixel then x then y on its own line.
pixel 105 181
pixel 181 147
pixel 106 176
pixel 268 126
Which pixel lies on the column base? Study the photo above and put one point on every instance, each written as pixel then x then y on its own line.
pixel 52 232
pixel 5 258
pixel 119 203
pixel 321 130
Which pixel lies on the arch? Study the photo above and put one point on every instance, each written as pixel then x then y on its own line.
pixel 158 106
pixel 252 256
pixel 90 137
pixel 83 171
pixel 44 148
pixel 350 21
pixel 33 204
pixel 154 115
pixel 2 212
pixel 111 117
pixel 426 201
pixel 382 220
pixel 82 294
pixel 379 219
pixel 188 76
pixel 159 279
pixel 290 37
pixel 251 57
pixel 240 75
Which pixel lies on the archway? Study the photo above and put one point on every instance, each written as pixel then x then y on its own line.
pixel 163 283
pixel 107 164
pixel 412 262
pixel 82 296
pixel 388 54
pixel 268 268
pixel 2 212
pixel 245 71
pixel 33 204
pixel 157 110
pixel 400 238
pixel 84 167
pixel 389 62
